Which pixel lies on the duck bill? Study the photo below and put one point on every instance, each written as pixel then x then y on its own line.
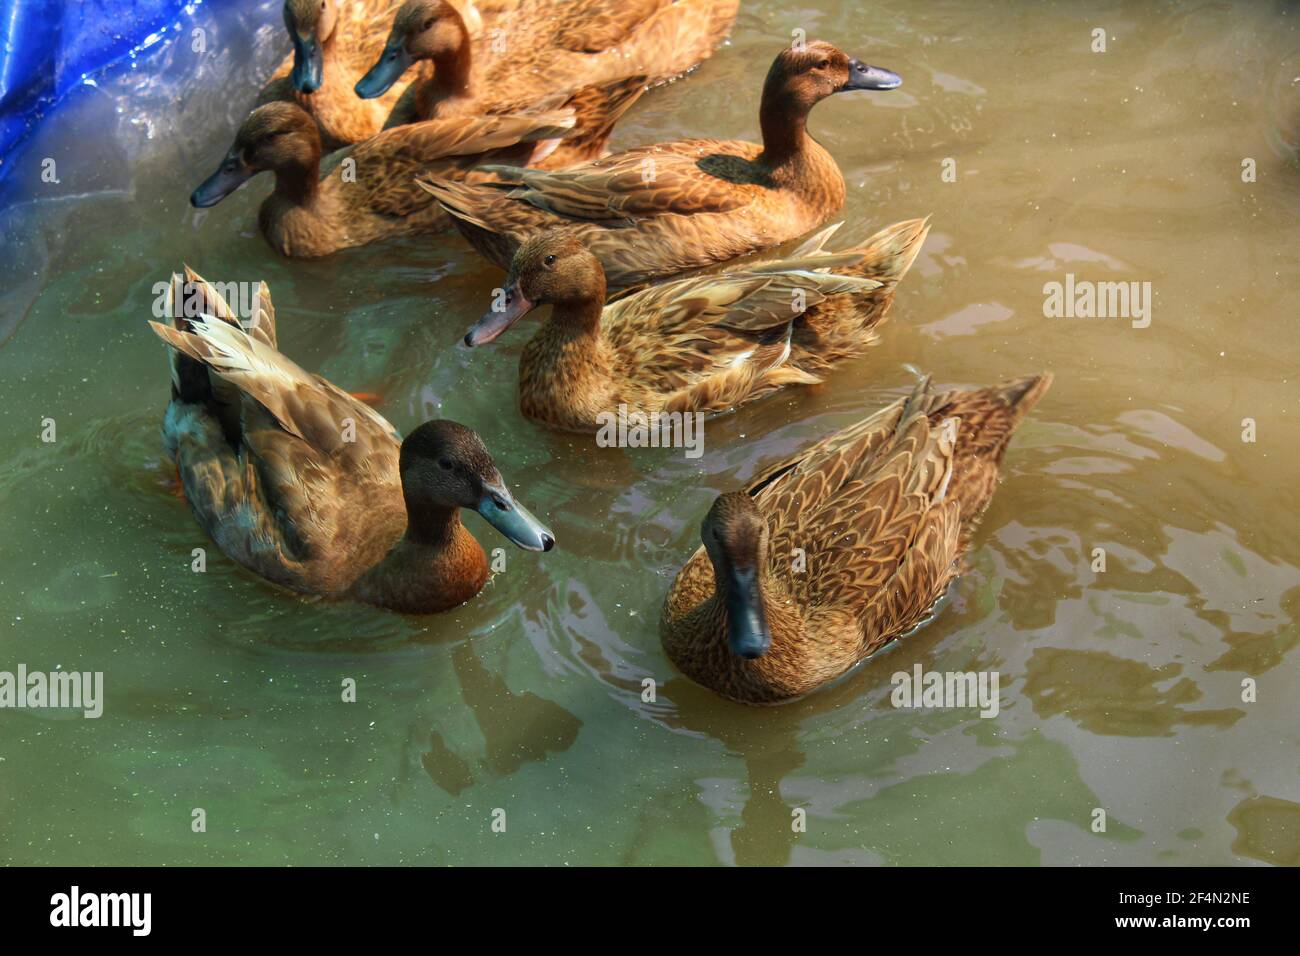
pixel 514 521
pixel 392 64
pixel 495 321
pixel 747 633
pixel 308 64
pixel 865 77
pixel 230 175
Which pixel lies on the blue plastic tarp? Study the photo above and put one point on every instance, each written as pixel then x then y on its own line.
pixel 48 47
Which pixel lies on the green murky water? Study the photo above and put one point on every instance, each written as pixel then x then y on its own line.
pixel 1121 690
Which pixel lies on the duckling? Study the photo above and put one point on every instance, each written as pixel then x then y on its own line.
pixel 884 510
pixel 333 43
pixel 580 53
pixel 702 343
pixel 370 194
pixel 663 209
pixel 310 488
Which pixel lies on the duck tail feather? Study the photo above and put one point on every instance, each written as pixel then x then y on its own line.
pixel 1022 394
pixel 816 243
pixel 888 254
pixel 915 403
pixel 454 198
pixel 184 298
pixel 189 376
pixel 262 324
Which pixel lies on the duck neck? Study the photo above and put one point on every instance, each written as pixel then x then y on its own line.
pixel 579 319
pixel 453 74
pixel 784 123
pixel 565 370
pixel 297 183
pixel 794 161
pixel 435 566
pixel 452 85
pixel 430 525
pixel 572 336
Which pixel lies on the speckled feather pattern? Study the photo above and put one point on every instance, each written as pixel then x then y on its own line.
pixel 884 511
pixel 529 52
pixel 714 341
pixel 380 199
pixel 655 211
pixel 306 491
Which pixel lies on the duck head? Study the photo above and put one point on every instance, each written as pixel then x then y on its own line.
pixel 444 467
pixel 735 537
pixel 807 75
pixel 310 24
pixel 422 30
pixel 551 268
pixel 280 137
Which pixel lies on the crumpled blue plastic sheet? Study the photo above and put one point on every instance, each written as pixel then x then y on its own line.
pixel 105 99
pixel 48 47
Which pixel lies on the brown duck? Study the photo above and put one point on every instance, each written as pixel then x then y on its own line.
pixel 310 488
pixel 883 510
pixel 703 343
pixel 370 193
pixel 334 41
pixel 584 54
pixel 659 210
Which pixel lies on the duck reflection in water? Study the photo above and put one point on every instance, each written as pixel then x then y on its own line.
pixel 517 728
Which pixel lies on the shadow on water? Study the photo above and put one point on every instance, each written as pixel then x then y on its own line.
pixel 517 728
pixel 1268 829
pixel 1107 694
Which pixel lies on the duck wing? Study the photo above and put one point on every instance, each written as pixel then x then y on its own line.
pixel 988 418
pixel 596 25
pixel 687 177
pixel 303 405
pixel 386 166
pixel 677 35
pixel 871 510
pixel 577 43
pixel 884 509
pixel 708 342
pixel 306 466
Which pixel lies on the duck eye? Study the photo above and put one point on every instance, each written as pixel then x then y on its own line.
pixel 444 464
pixel 549 260
pixel 427 23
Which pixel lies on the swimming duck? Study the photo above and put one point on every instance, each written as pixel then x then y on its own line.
pixel 312 489
pixel 659 210
pixel 370 194
pixel 539 55
pixel 702 343
pixel 883 512
pixel 334 41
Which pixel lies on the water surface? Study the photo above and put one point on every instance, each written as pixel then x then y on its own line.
pixel 1121 689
